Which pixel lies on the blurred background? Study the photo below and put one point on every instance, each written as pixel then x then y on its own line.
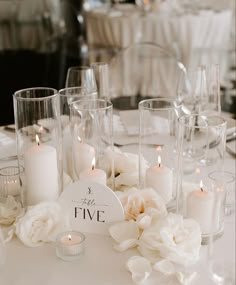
pixel 40 39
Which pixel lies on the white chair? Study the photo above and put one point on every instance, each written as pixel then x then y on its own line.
pixel 144 70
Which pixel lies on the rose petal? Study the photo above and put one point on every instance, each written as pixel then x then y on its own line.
pixel 139 267
pixel 123 231
pixel 126 245
pixel 164 266
pixel 144 221
pixel 186 278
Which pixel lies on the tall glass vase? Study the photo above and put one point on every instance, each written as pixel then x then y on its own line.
pixel 92 140
pixel 158 146
pixel 201 142
pixel 39 148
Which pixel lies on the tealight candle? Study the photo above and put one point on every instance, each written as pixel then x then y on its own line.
pixel 199 206
pixel 160 177
pixel 83 156
pixel 70 245
pixel 94 175
pixel 41 173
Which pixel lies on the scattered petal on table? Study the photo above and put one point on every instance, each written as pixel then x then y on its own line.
pixel 124 231
pixel 139 267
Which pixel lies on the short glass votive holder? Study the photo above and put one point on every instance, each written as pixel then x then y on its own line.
pixel 158 146
pixel 70 245
pixel 39 147
pixel 92 139
pixel 11 181
pixel 224 182
pixel 201 149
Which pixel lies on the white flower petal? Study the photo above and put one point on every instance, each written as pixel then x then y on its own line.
pixel 123 231
pixel 126 244
pixel 139 267
pixel 164 266
pixel 144 221
pixel 185 279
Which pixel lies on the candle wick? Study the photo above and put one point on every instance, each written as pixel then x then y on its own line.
pixel 201 189
pixel 159 165
pixel 92 167
pixel 38 143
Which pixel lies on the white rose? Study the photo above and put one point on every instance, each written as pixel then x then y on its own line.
pixel 172 238
pixel 144 206
pixel 126 169
pixel 40 224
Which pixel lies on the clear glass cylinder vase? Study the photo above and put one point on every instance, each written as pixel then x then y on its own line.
pixel 158 146
pixel 92 140
pixel 39 148
pixel 201 150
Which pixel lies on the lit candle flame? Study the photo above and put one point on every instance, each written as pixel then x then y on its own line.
pixel 198 170
pixel 37 139
pixel 158 148
pixel 79 139
pixel 69 237
pixel 159 160
pixel 93 163
pixel 201 185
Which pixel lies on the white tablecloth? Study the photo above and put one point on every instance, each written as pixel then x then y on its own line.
pixel 124 26
pixel 100 265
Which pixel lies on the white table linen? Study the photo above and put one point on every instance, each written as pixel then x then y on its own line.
pixel 101 264
pixel 187 31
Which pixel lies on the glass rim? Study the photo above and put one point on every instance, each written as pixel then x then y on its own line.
pixel 79 67
pixel 17 96
pixel 87 101
pixel 159 99
pixel 219 177
pixel 75 88
pixel 75 233
pixel 20 169
pixel 99 63
pixel 194 115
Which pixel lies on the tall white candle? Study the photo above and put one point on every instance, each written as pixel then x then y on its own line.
pixel 41 174
pixel 199 206
pixel 160 178
pixel 94 175
pixel 83 156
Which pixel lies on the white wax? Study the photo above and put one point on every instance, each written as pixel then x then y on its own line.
pixel 160 178
pixel 41 174
pixel 94 175
pixel 71 246
pixel 83 156
pixel 199 206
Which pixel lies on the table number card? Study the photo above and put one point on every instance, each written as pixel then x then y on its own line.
pixel 91 207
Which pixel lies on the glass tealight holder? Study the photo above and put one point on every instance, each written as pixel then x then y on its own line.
pixel 70 245
pixel 39 148
pixel 67 96
pixel 201 150
pixel 158 147
pixel 224 181
pixel 92 140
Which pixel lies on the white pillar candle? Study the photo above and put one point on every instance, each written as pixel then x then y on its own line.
pixel 41 174
pixel 160 178
pixel 83 155
pixel 94 175
pixel 199 206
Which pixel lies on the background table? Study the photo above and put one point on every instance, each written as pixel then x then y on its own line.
pixel 188 34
